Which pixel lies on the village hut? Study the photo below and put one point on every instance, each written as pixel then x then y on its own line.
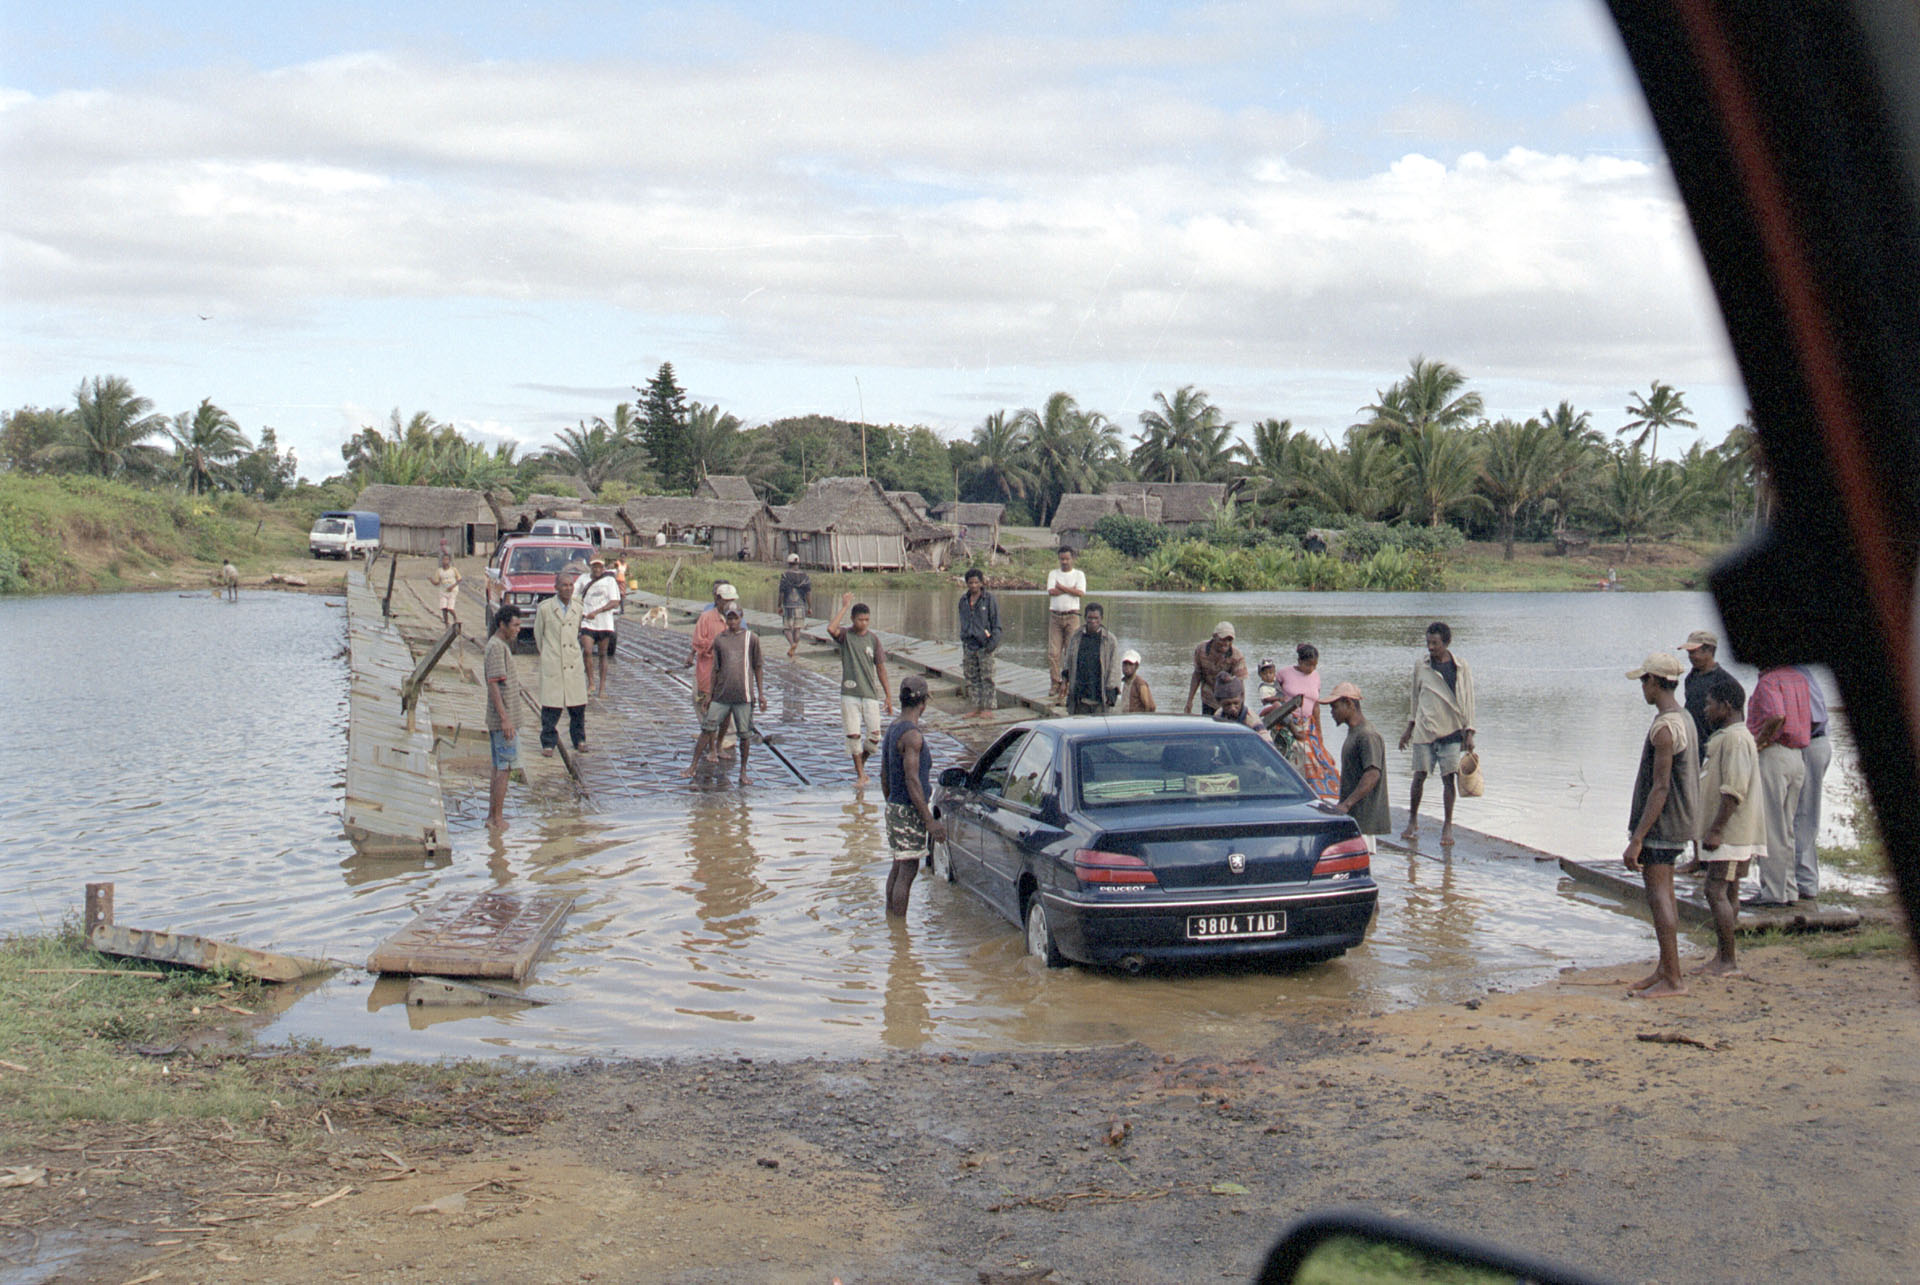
pixel 976 526
pixel 726 526
pixel 428 519
pixel 1183 505
pixel 725 486
pixel 1078 513
pixel 852 524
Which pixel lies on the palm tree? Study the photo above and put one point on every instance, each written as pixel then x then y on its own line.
pixel 1748 482
pixel 596 453
pixel 711 438
pixel 1003 464
pixel 1519 465
pixel 1071 449
pixel 1641 496
pixel 1184 440
pixel 1583 452
pixel 1438 471
pixel 1358 480
pixel 1663 406
pixel 109 429
pixel 1430 395
pixel 206 445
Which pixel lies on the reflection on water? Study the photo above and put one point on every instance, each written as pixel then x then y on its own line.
pixel 193 752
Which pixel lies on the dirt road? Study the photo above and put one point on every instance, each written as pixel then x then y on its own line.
pixel 1781 1146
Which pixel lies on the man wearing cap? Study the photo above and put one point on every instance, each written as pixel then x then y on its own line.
pixel 1135 696
pixel 1439 725
pixel 796 602
pixel 1213 659
pixel 737 682
pixel 711 624
pixel 601 600
pixel 1780 716
pixel 563 671
pixel 979 639
pixel 1066 588
pixel 1090 680
pixel 905 771
pixel 1702 648
pixel 1664 813
pixel 1363 766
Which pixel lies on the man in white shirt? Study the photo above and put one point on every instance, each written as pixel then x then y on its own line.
pixel 602 604
pixel 1065 588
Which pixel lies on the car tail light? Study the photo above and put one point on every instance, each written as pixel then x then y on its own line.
pixel 1346 855
pixel 1094 866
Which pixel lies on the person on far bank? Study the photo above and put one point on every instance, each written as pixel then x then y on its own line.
pixel 1214 659
pixel 1731 826
pixel 796 602
pixel 1363 766
pixel 737 683
pixel 230 581
pixel 905 771
pixel 1818 756
pixel 563 672
pixel 447 577
pixel 1135 696
pixel 979 639
pixel 1088 677
pixel 504 703
pixel 1780 716
pixel 1066 588
pixel 600 602
pixel 863 681
pixel 1662 820
pixel 1439 726
pixel 1703 648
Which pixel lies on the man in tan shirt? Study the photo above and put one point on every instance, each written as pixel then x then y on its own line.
pixel 1733 828
pixel 1439 726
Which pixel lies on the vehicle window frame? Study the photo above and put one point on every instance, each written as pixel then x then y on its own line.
pixel 1050 746
pixel 1006 751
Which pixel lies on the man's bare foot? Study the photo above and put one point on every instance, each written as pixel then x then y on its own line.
pixel 497 824
pixel 1664 989
pixel 688 770
pixel 547 750
pixel 859 778
pixel 1446 836
pixel 743 778
pixel 1651 979
pixel 1411 834
pixel 1718 968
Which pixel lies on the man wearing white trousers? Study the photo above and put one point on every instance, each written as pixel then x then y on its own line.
pixel 1780 716
pixel 1806 822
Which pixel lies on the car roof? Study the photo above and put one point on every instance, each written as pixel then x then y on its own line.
pixel 553 541
pixel 1093 727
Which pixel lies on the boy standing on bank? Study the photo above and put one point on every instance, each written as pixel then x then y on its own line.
pixel 1661 822
pixel 863 681
pixel 1732 824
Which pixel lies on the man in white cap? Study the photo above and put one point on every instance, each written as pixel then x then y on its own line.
pixel 1213 659
pixel 796 602
pixel 1135 696
pixel 1663 819
pixel 601 599
pixel 1363 766
pixel 1702 648
pixel 711 624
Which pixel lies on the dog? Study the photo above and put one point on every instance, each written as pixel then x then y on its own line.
pixel 656 615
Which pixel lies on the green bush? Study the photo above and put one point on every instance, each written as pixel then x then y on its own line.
pixel 1364 539
pixel 1135 537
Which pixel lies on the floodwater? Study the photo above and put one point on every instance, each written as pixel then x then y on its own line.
pixel 192 752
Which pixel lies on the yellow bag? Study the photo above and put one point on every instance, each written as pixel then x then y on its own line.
pixel 1472 785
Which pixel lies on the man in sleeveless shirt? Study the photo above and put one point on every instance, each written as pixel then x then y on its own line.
pixel 1663 817
pixel 905 765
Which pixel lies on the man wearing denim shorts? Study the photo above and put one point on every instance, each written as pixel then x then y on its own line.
pixel 863 681
pixel 737 680
pixel 503 700
pixel 1439 725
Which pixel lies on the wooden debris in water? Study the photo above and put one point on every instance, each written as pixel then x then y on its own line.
pixel 496 934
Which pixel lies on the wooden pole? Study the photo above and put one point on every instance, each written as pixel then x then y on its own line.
pixel 386 603
pixel 99 912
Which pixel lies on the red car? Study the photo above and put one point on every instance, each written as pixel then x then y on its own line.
pixel 523 571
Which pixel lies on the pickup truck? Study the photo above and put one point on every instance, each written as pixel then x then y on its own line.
pixel 344 533
pixel 522 573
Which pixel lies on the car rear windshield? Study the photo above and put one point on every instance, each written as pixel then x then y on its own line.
pixel 544 561
pixel 1153 769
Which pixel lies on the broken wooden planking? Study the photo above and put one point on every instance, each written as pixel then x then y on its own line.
pixel 205 953
pixel 444 992
pixel 496 934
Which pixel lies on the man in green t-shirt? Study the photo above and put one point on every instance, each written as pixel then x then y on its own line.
pixel 863 681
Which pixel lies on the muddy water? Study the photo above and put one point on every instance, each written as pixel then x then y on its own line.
pixel 192 752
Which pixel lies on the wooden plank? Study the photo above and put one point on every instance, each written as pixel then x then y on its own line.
pixel 494 934
pixel 203 953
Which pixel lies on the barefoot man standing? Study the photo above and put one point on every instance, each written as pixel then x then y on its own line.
pixel 863 681
pixel 1732 830
pixel 1662 821
pixel 737 683
pixel 1440 726
pixel 912 828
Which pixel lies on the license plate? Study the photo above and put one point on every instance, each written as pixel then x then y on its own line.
pixel 1262 923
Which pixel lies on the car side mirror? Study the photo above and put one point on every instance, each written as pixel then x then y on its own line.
pixel 1356 1245
pixel 953 778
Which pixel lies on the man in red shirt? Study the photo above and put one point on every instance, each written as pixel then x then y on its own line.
pixel 1780 716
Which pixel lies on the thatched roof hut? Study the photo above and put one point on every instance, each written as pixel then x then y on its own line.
pixel 427 519
pixel 1078 513
pixel 1183 505
pixel 978 525
pixel 725 486
pixel 851 523
pixel 728 526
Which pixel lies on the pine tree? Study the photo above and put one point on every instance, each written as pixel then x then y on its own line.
pixel 663 427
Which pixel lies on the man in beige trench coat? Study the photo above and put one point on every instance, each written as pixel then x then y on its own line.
pixel 563 671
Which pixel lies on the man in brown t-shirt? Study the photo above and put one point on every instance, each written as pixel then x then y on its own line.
pixel 736 686
pixel 1214 659
pixel 504 704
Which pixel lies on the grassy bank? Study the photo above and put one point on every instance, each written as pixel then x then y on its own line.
pixel 70 534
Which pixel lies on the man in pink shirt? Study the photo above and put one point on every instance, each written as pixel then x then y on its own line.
pixel 1780 716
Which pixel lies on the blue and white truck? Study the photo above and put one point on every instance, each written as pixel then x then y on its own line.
pixel 345 533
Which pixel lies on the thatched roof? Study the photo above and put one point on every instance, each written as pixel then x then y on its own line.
pixel 725 486
pixel 424 506
pixel 912 500
pixel 647 514
pixel 1180 501
pixel 1081 512
pixel 849 505
pixel 968 514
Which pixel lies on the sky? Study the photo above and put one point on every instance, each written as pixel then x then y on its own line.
pixel 509 216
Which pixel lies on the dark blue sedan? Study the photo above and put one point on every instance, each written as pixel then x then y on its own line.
pixel 1128 841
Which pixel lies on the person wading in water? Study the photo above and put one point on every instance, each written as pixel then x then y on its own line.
pixel 905 766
